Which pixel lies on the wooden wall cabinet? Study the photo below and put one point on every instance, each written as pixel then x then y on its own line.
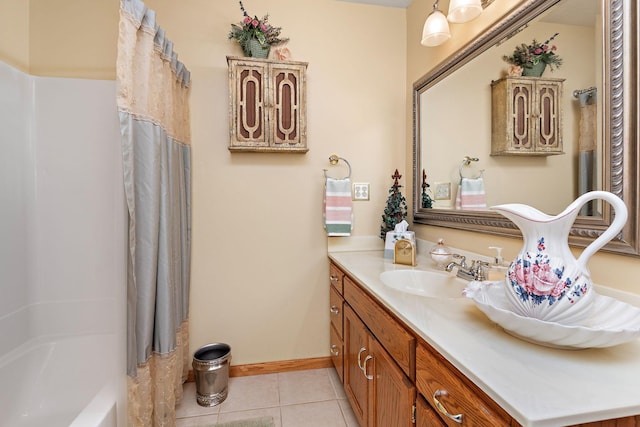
pixel 526 116
pixel 267 105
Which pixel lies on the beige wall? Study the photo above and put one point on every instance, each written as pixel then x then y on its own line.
pixel 14 33
pixel 260 269
pixel 607 269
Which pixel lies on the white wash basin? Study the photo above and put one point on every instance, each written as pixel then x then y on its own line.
pixel 431 284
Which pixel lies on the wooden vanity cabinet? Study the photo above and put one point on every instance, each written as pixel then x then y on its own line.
pixel 526 116
pixel 378 355
pixel 267 105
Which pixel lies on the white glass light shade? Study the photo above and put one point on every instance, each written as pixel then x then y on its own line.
pixel 464 10
pixel 435 30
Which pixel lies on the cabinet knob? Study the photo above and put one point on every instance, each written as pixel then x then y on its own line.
pixel 334 350
pixel 457 418
pixel 333 278
pixel 334 310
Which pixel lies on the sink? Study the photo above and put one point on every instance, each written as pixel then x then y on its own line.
pixel 431 284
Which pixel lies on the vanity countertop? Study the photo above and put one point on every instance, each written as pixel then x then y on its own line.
pixel 536 385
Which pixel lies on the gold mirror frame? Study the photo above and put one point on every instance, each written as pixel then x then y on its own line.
pixel 621 121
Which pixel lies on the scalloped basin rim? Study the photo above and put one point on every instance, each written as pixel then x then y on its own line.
pixel 424 283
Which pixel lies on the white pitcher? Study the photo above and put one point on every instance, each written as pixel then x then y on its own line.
pixel 545 281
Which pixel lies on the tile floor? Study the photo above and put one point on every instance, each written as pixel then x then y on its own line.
pixel 312 398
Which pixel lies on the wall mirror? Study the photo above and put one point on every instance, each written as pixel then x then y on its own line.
pixel 452 121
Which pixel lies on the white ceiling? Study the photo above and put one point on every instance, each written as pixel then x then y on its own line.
pixel 390 3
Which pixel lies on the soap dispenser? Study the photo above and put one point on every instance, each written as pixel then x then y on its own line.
pixel 498 269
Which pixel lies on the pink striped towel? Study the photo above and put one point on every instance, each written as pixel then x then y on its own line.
pixel 471 194
pixel 338 209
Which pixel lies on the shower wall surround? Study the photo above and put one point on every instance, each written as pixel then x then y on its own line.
pixel 62 221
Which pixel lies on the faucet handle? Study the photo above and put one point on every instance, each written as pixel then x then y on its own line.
pixel 462 259
pixel 479 269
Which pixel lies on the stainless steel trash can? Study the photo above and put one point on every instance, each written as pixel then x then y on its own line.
pixel 211 370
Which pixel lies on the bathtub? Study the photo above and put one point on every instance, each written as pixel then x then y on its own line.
pixel 63 382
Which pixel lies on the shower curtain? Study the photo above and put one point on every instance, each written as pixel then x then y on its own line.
pixel 153 96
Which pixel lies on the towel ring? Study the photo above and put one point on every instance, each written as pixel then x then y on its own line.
pixel 466 162
pixel 333 159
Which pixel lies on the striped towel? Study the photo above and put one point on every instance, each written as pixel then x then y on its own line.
pixel 338 209
pixel 471 194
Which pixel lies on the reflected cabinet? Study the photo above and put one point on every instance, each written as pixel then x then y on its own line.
pixel 526 116
pixel 267 105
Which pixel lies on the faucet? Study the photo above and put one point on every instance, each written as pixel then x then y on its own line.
pixel 477 270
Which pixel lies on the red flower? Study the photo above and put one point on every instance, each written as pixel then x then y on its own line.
pixel 255 22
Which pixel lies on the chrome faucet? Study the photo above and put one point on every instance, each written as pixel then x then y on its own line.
pixel 477 270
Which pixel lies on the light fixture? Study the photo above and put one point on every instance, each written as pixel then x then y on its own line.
pixel 436 28
pixel 461 11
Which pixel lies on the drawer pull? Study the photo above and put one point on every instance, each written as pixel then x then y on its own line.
pixel 334 350
pixel 442 409
pixel 360 361
pixel 364 369
pixel 334 310
pixel 333 278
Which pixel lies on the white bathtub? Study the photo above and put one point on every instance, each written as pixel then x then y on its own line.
pixel 66 382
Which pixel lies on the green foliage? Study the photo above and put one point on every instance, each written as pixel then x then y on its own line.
pixel 255 29
pixel 526 56
pixel 395 211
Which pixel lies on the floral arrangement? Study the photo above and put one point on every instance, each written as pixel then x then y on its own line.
pixel 255 29
pixel 528 56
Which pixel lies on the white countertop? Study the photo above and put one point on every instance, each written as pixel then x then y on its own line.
pixel 536 385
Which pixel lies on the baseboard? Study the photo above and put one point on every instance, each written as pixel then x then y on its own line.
pixel 274 367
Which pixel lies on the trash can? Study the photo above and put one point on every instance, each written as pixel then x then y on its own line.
pixel 211 370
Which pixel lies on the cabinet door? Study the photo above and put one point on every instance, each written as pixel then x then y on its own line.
pixel 356 385
pixel 393 395
pixel 249 85
pixel 425 415
pixel 547 115
pixel 288 121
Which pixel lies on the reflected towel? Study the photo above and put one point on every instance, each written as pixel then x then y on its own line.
pixel 338 209
pixel 471 194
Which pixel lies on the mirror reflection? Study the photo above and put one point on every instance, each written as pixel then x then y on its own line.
pixel 456 117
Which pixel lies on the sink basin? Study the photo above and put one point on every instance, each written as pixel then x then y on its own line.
pixel 431 284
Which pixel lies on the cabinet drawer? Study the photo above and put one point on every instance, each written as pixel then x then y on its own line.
pixel 335 277
pixel 336 308
pixel 394 338
pixel 435 379
pixel 336 350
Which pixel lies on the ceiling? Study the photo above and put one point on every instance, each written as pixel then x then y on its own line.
pixel 390 3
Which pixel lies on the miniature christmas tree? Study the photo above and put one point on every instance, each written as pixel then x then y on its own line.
pixel 396 209
pixel 427 201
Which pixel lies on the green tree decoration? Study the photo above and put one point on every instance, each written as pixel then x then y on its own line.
pixel 396 209
pixel 427 201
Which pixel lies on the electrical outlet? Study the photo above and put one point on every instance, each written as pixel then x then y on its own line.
pixel 360 191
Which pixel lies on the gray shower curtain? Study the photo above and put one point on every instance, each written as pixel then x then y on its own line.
pixel 153 105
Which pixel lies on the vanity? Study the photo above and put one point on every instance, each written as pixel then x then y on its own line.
pixel 406 359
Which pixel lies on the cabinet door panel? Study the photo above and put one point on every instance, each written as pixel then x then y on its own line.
pixel 393 394
pixel 356 386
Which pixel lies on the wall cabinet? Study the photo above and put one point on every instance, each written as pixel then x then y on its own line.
pixel 526 116
pixel 267 105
